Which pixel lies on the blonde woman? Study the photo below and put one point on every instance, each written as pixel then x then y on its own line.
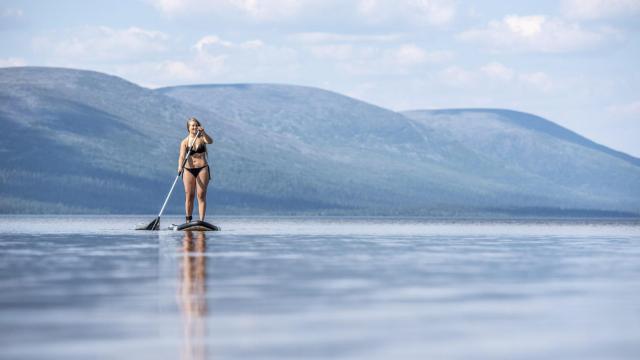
pixel 196 173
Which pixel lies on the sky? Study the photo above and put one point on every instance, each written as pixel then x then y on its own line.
pixel 574 62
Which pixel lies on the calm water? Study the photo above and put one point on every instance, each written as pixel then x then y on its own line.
pixel 319 288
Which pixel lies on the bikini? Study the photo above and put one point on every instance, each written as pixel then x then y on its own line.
pixel 196 171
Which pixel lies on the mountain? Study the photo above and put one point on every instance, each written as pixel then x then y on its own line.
pixel 537 148
pixel 481 159
pixel 80 141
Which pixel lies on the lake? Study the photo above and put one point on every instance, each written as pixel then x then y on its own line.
pixel 318 288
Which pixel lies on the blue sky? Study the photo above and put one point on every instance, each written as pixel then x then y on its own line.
pixel 574 62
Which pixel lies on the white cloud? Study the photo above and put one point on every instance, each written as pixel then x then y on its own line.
pixel 256 9
pixel 171 72
pixel 251 60
pixel 436 12
pixel 323 37
pixel 500 75
pixel 369 55
pixel 409 54
pixel 498 71
pixel 535 33
pixel 458 77
pixel 525 26
pixel 213 40
pixel 269 9
pixel 180 70
pixel 418 12
pixel 103 44
pixel 371 59
pixel 11 62
pixel 598 9
pixel 367 7
pixel 170 6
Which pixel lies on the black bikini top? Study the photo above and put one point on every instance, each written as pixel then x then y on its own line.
pixel 199 150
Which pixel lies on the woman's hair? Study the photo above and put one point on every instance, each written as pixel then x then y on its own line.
pixel 199 142
pixel 190 120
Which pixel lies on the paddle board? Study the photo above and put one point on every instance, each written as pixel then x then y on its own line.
pixel 197 226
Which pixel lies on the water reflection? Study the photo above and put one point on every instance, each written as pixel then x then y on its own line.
pixel 192 298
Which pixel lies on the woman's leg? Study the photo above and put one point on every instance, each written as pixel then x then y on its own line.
pixel 189 182
pixel 201 185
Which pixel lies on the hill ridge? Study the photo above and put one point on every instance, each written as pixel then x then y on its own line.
pixel 543 125
pixel 283 149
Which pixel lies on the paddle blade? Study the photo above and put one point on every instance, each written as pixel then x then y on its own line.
pixel 153 225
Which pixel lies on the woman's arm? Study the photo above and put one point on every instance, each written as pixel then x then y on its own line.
pixel 182 155
pixel 207 139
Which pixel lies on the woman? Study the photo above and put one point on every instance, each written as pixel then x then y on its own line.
pixel 197 174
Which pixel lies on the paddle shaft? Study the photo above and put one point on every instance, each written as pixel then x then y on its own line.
pixel 184 162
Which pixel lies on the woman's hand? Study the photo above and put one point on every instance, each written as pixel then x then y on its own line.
pixel 201 130
pixel 179 170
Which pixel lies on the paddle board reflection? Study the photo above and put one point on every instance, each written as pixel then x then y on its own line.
pixel 192 298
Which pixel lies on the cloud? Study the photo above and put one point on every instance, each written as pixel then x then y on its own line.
pixel 153 74
pixel 435 12
pixel 209 59
pixel 535 33
pixel 457 77
pixel 12 61
pixel 368 55
pixel 170 6
pixel 103 44
pixel 364 59
pixel 324 37
pixel 213 40
pixel 269 9
pixel 498 71
pixel 375 54
pixel 537 80
pixel 183 71
pixel 170 72
pixel 411 54
pixel 256 9
pixel 498 74
pixel 214 58
pixel 599 9
pixel 418 12
pixel 415 12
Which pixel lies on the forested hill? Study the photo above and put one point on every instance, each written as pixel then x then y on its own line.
pixel 79 141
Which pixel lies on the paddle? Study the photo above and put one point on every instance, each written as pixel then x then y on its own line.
pixel 155 224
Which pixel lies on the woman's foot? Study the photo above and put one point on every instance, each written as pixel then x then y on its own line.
pixel 188 219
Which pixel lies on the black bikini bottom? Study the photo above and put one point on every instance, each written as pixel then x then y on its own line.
pixel 196 171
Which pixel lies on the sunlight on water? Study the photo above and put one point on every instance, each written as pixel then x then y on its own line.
pixel 355 288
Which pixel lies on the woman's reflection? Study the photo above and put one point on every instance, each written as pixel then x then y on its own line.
pixel 192 294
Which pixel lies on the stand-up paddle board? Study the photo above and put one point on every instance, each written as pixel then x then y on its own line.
pixel 197 226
